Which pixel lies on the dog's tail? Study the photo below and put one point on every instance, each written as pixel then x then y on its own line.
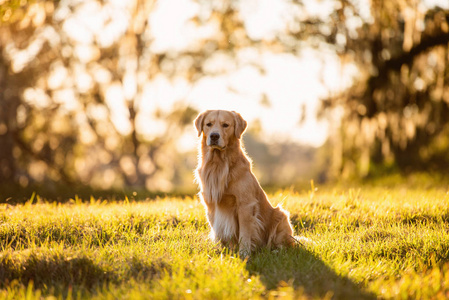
pixel 302 240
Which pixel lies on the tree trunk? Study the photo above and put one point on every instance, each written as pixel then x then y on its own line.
pixel 9 102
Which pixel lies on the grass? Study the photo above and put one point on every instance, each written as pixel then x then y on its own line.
pixel 367 243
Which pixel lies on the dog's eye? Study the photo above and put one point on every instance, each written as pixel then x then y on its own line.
pixel 225 125
pixel 209 124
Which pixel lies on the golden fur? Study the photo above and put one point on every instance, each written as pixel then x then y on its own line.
pixel 237 208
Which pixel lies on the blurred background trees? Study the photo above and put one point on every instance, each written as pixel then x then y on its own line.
pixel 396 113
pixel 79 85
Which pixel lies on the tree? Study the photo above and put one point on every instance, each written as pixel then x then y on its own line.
pixel 396 113
pixel 59 111
pixel 74 78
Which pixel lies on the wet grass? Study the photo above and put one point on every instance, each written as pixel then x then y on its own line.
pixel 366 243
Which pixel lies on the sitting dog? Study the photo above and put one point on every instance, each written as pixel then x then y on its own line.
pixel 237 208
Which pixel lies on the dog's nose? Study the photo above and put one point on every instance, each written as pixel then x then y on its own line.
pixel 214 136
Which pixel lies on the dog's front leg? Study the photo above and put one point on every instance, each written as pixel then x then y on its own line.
pixel 249 228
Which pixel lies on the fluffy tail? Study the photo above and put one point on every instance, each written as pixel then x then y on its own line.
pixel 302 240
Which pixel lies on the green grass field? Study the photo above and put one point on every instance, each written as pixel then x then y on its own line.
pixel 367 243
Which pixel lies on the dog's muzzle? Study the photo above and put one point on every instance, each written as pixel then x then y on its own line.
pixel 214 137
pixel 214 141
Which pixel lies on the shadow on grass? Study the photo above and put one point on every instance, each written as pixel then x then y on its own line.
pixel 305 272
pixel 57 271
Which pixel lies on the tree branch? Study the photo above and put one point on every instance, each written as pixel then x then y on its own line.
pixel 407 57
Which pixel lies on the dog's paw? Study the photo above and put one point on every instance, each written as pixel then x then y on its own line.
pixel 244 254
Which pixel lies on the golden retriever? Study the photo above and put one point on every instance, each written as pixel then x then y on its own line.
pixel 237 208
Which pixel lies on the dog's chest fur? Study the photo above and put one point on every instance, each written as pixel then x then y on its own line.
pixel 225 225
pixel 214 177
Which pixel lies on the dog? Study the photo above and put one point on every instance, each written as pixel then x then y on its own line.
pixel 237 208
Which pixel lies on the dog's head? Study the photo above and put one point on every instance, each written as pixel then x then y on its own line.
pixel 219 127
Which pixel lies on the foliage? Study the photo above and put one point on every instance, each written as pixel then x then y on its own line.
pixel 366 243
pixel 396 111
pixel 64 94
pixel 76 82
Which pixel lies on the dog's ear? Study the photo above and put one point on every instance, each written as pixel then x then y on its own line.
pixel 240 124
pixel 199 122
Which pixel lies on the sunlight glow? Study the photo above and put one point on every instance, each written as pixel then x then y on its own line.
pixel 432 3
pixel 276 98
pixel 286 92
pixel 264 18
pixel 289 84
pixel 120 114
pixel 171 27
